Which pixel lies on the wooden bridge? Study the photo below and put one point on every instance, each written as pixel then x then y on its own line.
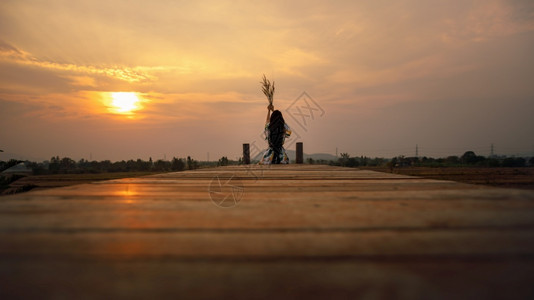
pixel 277 232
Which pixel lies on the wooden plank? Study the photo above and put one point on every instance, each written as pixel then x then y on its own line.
pixel 278 279
pixel 294 217
pixel 271 244
pixel 309 231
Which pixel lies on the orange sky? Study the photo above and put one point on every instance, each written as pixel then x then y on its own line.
pixel 450 76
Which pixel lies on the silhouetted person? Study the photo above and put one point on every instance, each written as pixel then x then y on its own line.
pixel 276 131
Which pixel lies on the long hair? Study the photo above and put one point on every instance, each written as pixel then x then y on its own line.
pixel 276 134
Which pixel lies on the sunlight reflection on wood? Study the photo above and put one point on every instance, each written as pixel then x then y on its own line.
pixel 128 193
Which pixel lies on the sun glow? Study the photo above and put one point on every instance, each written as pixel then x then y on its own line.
pixel 125 103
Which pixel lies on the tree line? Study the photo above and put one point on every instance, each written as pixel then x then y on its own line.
pixel 66 165
pixel 468 159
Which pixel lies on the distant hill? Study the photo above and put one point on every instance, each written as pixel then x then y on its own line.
pixel 292 154
pixel 320 156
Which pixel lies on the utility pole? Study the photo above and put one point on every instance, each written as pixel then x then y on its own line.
pixel 336 151
pixel 492 153
pixel 416 151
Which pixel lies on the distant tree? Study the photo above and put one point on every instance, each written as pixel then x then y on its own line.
pixel 105 166
pixel 376 162
pixel 143 165
pixel 392 164
pixel 118 166
pixel 67 164
pixel 353 162
pixel 191 163
pixel 452 160
pixel 401 161
pixel 223 161
pixel 162 165
pixel 37 168
pixel 471 158
pixel 468 157
pixel 53 166
pixel 94 167
pixel 514 162
pixel 177 164
pixel 344 159
pixel 492 163
pixel 83 166
pixel 131 165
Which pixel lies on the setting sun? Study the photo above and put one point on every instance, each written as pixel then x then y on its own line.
pixel 124 102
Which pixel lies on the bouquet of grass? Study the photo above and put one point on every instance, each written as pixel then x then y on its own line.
pixel 268 90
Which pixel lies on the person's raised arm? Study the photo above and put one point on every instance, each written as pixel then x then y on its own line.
pixel 269 109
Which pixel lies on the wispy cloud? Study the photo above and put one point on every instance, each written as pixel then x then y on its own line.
pixel 12 54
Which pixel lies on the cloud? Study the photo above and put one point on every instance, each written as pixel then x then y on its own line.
pixel 8 50
pixel 198 64
pixel 11 54
pixel 490 19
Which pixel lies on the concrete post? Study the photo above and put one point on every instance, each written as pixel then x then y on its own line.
pixel 246 154
pixel 300 153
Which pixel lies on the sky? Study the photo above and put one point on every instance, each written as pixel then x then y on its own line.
pixel 137 79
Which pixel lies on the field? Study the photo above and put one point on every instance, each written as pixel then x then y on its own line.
pixel 522 178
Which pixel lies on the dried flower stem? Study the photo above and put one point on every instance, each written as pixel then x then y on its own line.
pixel 268 89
